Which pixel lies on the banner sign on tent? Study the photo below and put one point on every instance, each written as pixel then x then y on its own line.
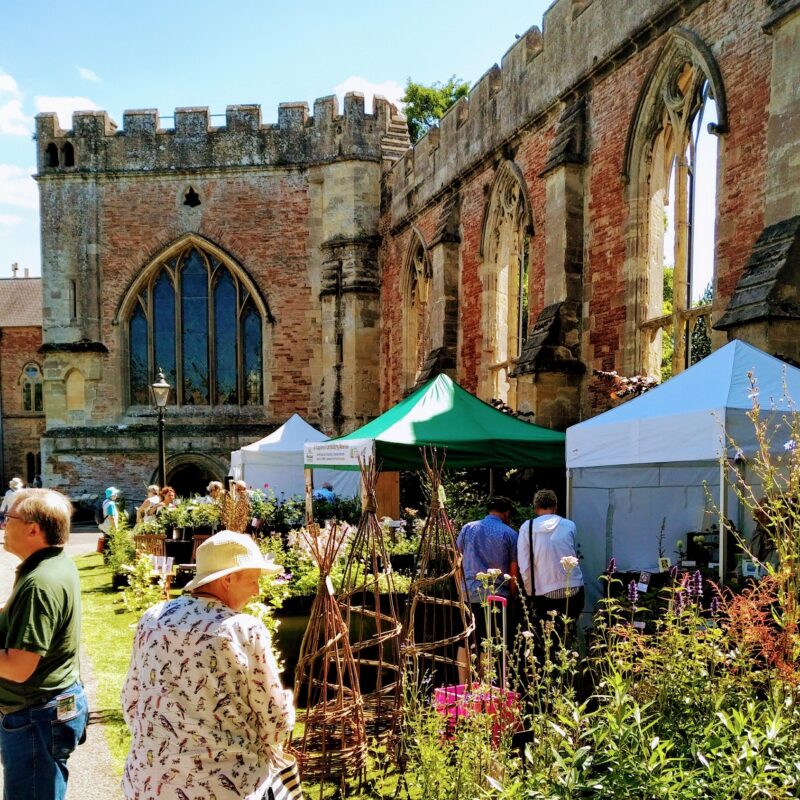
pixel 343 454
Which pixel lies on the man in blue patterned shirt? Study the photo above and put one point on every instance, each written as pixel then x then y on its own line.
pixel 489 550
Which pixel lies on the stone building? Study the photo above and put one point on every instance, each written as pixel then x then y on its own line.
pixel 552 225
pixel 21 386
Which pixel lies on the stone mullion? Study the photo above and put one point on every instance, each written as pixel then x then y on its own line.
pixel 680 285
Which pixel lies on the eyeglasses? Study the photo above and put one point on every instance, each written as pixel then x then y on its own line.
pixel 14 516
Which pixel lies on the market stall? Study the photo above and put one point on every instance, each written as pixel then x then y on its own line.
pixel 276 462
pixel 647 473
pixel 442 414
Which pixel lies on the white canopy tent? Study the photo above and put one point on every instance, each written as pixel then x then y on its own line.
pixel 277 460
pixel 660 460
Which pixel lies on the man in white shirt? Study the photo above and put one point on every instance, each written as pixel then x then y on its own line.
pixel 548 564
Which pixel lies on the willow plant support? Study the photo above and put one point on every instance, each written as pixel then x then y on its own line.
pixel 439 622
pixel 369 606
pixel 332 746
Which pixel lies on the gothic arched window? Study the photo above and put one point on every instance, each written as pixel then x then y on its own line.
pixel 506 245
pixel 672 166
pixel 416 311
pixel 31 382
pixel 197 321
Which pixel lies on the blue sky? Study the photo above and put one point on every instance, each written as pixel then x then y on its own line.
pixel 168 53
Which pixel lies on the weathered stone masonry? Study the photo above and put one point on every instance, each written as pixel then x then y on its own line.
pixel 513 247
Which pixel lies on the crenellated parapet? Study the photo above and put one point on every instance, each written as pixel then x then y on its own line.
pixel 543 70
pixel 96 145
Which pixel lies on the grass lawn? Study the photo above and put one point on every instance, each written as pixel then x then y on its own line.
pixel 108 638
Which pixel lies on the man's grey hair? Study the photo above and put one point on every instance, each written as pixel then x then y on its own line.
pixel 545 499
pixel 152 490
pixel 47 508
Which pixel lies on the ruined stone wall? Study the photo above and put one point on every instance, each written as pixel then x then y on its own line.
pixel 21 429
pixel 600 54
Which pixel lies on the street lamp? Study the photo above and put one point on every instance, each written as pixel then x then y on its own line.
pixel 160 395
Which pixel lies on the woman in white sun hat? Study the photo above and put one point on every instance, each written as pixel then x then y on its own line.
pixel 203 697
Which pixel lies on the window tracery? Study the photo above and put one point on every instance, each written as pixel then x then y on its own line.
pixel 416 311
pixel 672 166
pixel 31 381
pixel 195 319
pixel 507 233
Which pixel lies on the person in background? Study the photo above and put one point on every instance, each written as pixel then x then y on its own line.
pixel 214 493
pixel 148 507
pixel 203 697
pixel 14 485
pixel 110 511
pixel 325 492
pixel 166 499
pixel 548 565
pixel 489 548
pixel 42 703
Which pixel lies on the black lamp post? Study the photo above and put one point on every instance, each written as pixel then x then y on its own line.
pixel 160 395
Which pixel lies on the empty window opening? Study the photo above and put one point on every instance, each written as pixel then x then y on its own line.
pixel 52 155
pixel 69 155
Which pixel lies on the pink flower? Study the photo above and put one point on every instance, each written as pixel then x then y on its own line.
pixel 266 486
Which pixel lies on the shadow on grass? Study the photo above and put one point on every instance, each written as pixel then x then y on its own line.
pixel 106 716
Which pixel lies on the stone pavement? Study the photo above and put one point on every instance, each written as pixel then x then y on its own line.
pixel 92 775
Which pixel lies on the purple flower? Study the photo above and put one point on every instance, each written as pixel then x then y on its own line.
pixel 612 566
pixel 285 577
pixel 680 601
pixel 673 572
pixel 714 607
pixel 633 593
pixel 696 585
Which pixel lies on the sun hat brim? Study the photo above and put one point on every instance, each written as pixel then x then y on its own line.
pixel 238 550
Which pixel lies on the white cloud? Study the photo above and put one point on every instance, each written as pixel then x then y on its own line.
pixel 13 120
pixel 88 74
pixel 64 106
pixel 8 85
pixel 17 187
pixel 391 90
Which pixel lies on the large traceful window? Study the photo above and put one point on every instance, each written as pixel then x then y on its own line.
pixel 416 312
pixel 198 323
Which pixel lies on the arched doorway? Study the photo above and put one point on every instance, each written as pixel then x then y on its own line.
pixel 189 473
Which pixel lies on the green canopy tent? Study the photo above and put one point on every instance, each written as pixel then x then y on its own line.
pixel 442 414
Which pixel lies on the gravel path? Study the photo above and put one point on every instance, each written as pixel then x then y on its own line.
pixel 92 775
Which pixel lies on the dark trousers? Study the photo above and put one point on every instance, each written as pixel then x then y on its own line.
pixel 564 613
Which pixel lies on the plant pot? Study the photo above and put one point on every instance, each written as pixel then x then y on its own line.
pixel 119 580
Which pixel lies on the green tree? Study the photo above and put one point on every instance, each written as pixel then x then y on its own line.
pixel 426 105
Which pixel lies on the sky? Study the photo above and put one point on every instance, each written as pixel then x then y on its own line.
pixel 166 54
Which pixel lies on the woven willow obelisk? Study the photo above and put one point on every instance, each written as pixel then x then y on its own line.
pixel 439 622
pixel 332 746
pixel 369 606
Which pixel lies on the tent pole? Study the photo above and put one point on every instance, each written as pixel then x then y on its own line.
pixel 308 474
pixel 491 482
pixel 569 494
pixel 722 514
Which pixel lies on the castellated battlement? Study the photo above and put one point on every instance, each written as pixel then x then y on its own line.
pixel 582 39
pixel 96 145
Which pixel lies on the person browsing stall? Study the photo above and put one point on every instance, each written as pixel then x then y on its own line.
pixel 203 698
pixel 42 702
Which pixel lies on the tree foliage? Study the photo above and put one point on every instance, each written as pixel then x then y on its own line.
pixel 426 105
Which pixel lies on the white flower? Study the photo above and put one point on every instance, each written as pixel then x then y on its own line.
pixel 568 563
pixel 493 572
pixel 790 446
pixel 481 576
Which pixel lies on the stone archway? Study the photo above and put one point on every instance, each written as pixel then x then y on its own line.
pixel 189 473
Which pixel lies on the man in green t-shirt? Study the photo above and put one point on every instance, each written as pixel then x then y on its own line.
pixel 42 704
